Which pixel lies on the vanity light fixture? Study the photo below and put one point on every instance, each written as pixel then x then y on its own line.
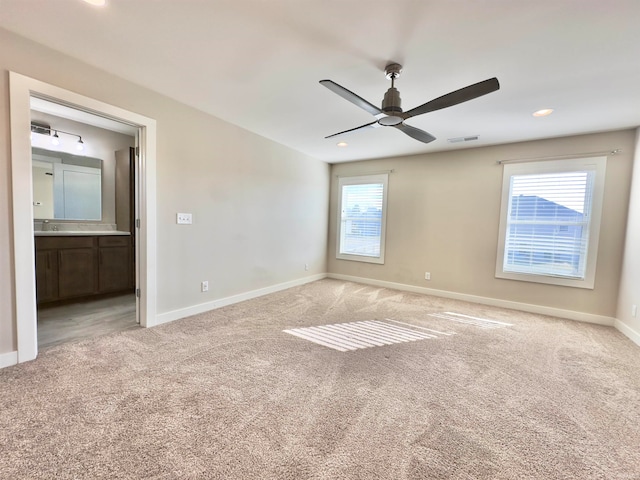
pixel 342 144
pixel 97 3
pixel 44 129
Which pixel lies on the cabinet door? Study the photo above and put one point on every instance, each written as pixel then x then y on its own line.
pixel 77 272
pixel 46 275
pixel 114 269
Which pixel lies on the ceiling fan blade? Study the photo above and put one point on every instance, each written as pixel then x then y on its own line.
pixel 352 97
pixel 373 124
pixel 416 133
pixel 454 98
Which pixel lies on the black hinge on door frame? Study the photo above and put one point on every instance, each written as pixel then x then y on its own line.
pixel 137 151
pixel 138 292
pixel 137 223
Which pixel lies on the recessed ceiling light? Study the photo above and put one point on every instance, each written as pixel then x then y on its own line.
pixel 97 3
pixel 342 144
pixel 462 139
pixel 543 113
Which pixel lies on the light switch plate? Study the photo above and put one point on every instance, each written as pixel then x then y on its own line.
pixel 184 218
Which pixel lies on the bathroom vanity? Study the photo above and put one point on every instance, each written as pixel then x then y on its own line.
pixel 83 225
pixel 77 265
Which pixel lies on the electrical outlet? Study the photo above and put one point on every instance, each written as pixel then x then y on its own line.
pixel 427 275
pixel 634 310
pixel 184 218
pixel 204 286
pixel 306 266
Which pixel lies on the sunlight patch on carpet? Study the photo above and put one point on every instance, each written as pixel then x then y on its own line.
pixel 346 337
pixel 469 320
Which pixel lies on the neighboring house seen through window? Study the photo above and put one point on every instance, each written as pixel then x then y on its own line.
pixel 550 220
pixel 362 218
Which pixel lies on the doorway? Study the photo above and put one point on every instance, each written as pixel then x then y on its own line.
pixel 22 90
pixel 84 202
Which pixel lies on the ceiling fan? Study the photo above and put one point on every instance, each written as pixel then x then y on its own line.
pixel 391 114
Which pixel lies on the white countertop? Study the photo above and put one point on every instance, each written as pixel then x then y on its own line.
pixel 87 233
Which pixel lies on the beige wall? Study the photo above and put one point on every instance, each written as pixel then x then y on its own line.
pixel 259 209
pixel 443 217
pixel 630 278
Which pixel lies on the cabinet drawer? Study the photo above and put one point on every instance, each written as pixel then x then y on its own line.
pixel 113 241
pixel 48 243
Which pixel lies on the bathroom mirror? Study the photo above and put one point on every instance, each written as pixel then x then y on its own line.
pixel 65 186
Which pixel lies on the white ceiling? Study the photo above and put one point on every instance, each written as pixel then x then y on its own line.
pixel 257 63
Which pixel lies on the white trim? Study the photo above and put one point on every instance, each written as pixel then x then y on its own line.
pixel 21 88
pixel 627 331
pixel 241 297
pixel 147 281
pixel 494 302
pixel 8 359
pixel 23 250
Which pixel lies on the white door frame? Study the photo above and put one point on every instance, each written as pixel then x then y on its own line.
pixel 21 88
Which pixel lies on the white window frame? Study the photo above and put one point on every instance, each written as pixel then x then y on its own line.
pixel 595 164
pixel 382 178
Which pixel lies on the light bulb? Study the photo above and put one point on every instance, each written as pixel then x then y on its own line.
pixel 80 145
pixel 55 140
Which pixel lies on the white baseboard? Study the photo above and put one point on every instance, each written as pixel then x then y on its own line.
pixel 241 297
pixel 8 359
pixel 495 302
pixel 628 332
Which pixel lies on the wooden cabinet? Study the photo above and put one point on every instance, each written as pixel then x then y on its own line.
pixel 114 264
pixel 81 266
pixel 46 275
pixel 76 272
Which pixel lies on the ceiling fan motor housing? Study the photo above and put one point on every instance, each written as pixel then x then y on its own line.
pixel 391 101
pixel 391 105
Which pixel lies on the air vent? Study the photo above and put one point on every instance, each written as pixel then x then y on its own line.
pixel 462 139
pixel 41 128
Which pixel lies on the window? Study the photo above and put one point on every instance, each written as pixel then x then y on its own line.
pixel 362 213
pixel 550 220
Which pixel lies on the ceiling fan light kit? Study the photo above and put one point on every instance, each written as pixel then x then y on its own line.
pixel 391 113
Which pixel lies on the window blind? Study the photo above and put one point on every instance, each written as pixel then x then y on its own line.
pixel 548 223
pixel 361 219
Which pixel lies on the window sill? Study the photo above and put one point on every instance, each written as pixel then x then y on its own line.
pixel 361 258
pixel 587 283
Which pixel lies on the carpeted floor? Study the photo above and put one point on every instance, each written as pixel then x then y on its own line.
pixel 229 395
